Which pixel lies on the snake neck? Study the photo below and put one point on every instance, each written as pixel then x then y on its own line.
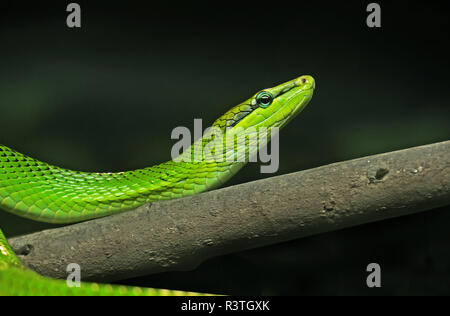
pixel 42 192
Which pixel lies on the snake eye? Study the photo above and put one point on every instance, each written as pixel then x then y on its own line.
pixel 264 99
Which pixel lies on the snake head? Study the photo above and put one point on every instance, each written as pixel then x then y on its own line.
pixel 272 107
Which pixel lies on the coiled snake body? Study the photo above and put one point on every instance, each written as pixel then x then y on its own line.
pixel 42 192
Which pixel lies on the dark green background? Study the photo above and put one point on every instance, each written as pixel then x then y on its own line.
pixel 107 96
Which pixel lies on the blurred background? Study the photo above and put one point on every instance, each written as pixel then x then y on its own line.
pixel 106 97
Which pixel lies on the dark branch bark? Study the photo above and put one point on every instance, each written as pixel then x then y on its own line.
pixel 180 234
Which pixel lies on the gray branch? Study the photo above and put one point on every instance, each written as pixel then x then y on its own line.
pixel 180 234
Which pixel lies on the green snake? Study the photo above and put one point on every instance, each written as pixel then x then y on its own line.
pixel 38 191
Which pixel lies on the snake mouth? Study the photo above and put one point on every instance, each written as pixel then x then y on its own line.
pixel 297 97
pixel 292 91
pixel 308 93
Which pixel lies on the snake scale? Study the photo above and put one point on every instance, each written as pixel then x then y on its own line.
pixel 42 192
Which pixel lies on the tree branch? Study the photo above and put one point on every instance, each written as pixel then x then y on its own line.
pixel 180 234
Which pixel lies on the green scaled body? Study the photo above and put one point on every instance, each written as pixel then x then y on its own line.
pixel 46 193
